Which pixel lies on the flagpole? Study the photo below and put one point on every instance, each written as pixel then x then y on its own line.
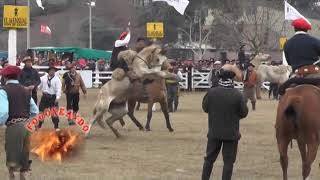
pixel 90 25
pixel 28 29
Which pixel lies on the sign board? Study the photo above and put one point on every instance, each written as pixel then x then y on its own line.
pixel 282 42
pixel 155 30
pixel 15 16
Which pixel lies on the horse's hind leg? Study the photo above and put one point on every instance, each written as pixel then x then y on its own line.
pixel 96 118
pixel 149 116
pixel 116 114
pixel 311 156
pixel 283 151
pixel 110 122
pixel 122 122
pixel 303 153
pixel 131 105
pixel 164 108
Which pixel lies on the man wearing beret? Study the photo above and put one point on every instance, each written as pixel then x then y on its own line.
pixel 17 107
pixel 119 46
pixel 302 51
pixel 30 77
pixel 51 92
pixel 71 84
pixel 225 106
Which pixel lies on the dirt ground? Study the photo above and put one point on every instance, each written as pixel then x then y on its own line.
pixel 160 155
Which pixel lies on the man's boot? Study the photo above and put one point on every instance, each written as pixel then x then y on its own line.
pixel 253 106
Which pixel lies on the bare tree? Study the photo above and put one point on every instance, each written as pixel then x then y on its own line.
pixel 258 26
pixel 196 34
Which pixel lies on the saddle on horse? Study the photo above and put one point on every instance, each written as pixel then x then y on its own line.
pixel 309 74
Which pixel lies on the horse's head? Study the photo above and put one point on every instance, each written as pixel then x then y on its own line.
pixel 259 58
pixel 234 69
pixel 154 56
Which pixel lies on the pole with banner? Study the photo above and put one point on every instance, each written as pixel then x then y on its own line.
pixel 14 17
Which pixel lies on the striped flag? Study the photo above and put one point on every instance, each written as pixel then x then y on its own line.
pixel 45 29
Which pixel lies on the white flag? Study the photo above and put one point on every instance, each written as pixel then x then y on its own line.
pixel 39 3
pixel 179 5
pixel 290 13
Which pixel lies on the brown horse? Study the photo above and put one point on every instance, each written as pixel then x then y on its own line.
pixel 149 90
pixel 298 118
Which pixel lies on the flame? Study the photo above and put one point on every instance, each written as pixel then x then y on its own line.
pixel 52 145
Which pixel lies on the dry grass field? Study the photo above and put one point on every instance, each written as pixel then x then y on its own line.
pixel 160 155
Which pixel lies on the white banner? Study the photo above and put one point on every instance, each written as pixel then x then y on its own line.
pixel 39 3
pixel 290 13
pixel 179 5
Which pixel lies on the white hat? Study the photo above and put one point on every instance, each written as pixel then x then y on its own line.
pixel 217 62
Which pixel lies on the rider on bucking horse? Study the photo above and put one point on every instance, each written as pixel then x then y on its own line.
pixel 302 51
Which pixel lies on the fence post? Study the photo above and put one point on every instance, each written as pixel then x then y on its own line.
pixel 192 85
pixel 96 77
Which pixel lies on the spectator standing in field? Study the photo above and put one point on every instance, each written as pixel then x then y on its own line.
pixel 71 84
pixel 30 77
pixel 242 57
pixel 213 78
pixel 249 88
pixel 51 92
pixel 225 106
pixel 172 85
pixel 92 65
pixel 17 107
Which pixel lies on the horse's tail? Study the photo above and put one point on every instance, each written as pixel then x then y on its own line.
pixel 291 110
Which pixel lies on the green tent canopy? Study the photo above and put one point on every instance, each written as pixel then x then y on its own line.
pixel 84 53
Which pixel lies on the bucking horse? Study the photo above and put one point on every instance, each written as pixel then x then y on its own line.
pixel 112 101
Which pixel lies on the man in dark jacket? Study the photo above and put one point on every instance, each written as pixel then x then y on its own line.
pixel 225 107
pixel 302 51
pixel 30 77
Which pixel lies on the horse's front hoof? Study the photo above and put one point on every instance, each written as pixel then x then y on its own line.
pixel 171 130
pixel 148 129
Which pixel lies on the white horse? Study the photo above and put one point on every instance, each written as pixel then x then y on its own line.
pixel 273 74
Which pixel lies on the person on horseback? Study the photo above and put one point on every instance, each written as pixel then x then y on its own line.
pixel 302 51
pixel 119 46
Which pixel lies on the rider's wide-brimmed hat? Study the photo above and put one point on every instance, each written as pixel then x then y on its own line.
pixel 27 58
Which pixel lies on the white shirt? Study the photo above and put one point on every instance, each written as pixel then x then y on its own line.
pixel 124 42
pixel 55 88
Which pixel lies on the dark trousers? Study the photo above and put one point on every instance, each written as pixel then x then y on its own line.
pixel 48 102
pixel 229 153
pixel 73 102
pixel 34 96
pixel 274 90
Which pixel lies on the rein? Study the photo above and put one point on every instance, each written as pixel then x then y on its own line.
pixel 143 61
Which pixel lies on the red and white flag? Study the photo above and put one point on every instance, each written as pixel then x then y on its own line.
pixel 45 29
